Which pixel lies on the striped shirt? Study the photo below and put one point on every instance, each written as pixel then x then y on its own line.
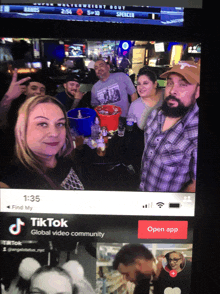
pixel 170 158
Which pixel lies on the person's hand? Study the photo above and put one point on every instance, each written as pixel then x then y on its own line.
pixel 16 89
pixel 79 95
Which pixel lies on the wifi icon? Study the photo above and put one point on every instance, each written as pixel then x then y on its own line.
pixel 160 204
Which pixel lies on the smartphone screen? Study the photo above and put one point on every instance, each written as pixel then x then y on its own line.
pixel 92 229
pixel 92 233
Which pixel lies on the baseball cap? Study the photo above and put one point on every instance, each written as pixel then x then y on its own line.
pixel 73 77
pixel 188 69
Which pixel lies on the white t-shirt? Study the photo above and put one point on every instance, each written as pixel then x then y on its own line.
pixel 141 111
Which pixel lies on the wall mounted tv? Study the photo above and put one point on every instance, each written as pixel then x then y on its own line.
pixel 143 15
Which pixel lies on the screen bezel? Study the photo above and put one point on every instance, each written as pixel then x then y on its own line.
pixel 195 29
pixel 77 29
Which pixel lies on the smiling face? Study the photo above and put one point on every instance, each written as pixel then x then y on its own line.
pixel 102 70
pixel 145 87
pixel 175 261
pixel 46 130
pixel 35 89
pixel 180 95
pixel 51 283
pixel 71 88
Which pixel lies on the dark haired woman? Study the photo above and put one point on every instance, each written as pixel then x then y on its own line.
pixel 150 97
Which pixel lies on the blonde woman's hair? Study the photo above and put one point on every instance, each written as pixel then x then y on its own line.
pixel 180 255
pixel 23 152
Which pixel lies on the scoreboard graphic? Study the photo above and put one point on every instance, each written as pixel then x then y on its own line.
pixel 167 16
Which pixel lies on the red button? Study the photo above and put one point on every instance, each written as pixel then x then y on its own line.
pixel 79 12
pixel 162 229
pixel 173 273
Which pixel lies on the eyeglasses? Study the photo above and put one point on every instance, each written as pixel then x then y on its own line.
pixel 175 259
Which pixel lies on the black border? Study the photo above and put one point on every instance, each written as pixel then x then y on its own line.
pixel 200 25
pixel 34 28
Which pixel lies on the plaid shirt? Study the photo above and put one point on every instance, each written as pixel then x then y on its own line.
pixel 169 159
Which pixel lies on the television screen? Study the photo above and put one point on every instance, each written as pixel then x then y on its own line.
pixel 194 48
pixel 53 50
pixel 167 16
pixel 36 64
pixel 75 50
pixel 159 47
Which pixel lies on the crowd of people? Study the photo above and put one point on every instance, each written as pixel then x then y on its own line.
pixel 37 126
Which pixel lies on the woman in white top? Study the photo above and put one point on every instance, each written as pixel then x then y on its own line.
pixel 150 97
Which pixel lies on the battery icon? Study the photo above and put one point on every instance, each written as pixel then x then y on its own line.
pixel 174 205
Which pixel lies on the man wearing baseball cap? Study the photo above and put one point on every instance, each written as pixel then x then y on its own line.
pixel 171 134
pixel 71 96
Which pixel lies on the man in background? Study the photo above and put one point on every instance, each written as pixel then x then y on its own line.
pixel 16 94
pixel 71 97
pixel 112 88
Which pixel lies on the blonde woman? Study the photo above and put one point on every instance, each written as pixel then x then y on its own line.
pixel 175 261
pixel 43 143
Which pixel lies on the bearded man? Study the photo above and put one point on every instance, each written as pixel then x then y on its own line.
pixel 171 134
pixel 112 88
pixel 137 265
pixel 71 96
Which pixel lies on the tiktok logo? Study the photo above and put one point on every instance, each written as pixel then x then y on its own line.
pixel 15 229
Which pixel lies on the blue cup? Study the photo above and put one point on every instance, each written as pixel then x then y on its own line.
pixel 82 125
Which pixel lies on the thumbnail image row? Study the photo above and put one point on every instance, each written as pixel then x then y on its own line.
pixel 158 268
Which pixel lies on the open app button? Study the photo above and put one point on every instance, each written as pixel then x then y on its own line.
pixel 162 229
